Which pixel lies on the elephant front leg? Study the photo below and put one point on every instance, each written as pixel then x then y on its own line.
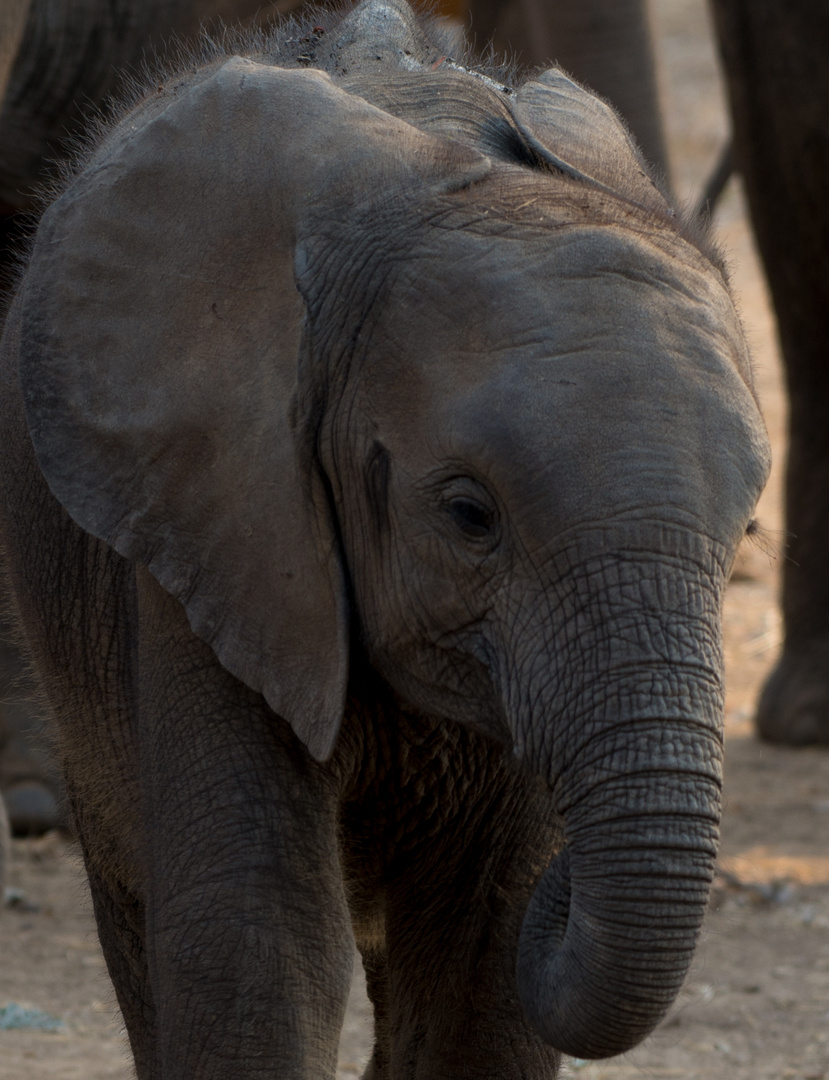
pixel 249 943
pixel 376 969
pixel 461 836
pixel 452 931
pixel 794 705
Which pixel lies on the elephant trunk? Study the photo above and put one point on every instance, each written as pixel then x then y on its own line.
pixel 611 929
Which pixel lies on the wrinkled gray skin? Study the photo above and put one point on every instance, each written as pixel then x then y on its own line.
pixel 378 451
pixel 59 59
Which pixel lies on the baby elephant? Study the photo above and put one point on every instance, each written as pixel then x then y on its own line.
pixel 376 446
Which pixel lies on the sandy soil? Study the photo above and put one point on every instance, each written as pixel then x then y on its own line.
pixel 756 1006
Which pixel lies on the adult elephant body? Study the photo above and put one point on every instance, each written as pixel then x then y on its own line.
pixel 62 58
pixel 379 448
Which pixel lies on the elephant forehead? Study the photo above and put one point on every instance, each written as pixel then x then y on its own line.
pixel 563 287
pixel 619 313
pixel 599 369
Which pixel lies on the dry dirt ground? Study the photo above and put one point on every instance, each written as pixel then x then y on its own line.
pixel 756 1006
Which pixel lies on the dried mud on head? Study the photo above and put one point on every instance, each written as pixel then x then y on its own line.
pixel 756 1005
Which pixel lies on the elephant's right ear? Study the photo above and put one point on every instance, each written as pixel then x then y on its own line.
pixel 159 348
pixel 583 136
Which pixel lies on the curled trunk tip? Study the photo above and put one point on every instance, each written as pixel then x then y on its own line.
pixel 596 977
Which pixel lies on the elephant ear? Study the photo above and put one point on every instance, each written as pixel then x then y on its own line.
pixel 159 357
pixel 582 136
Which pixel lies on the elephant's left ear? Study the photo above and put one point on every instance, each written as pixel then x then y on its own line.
pixel 581 135
pixel 159 357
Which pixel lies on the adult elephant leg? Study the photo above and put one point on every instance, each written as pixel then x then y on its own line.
pixel 29 778
pixel 249 941
pixel 774 54
pixel 603 43
pixel 5 844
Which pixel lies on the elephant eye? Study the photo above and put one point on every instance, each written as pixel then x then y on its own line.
pixel 472 518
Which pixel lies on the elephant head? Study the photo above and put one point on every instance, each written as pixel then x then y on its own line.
pixel 330 372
